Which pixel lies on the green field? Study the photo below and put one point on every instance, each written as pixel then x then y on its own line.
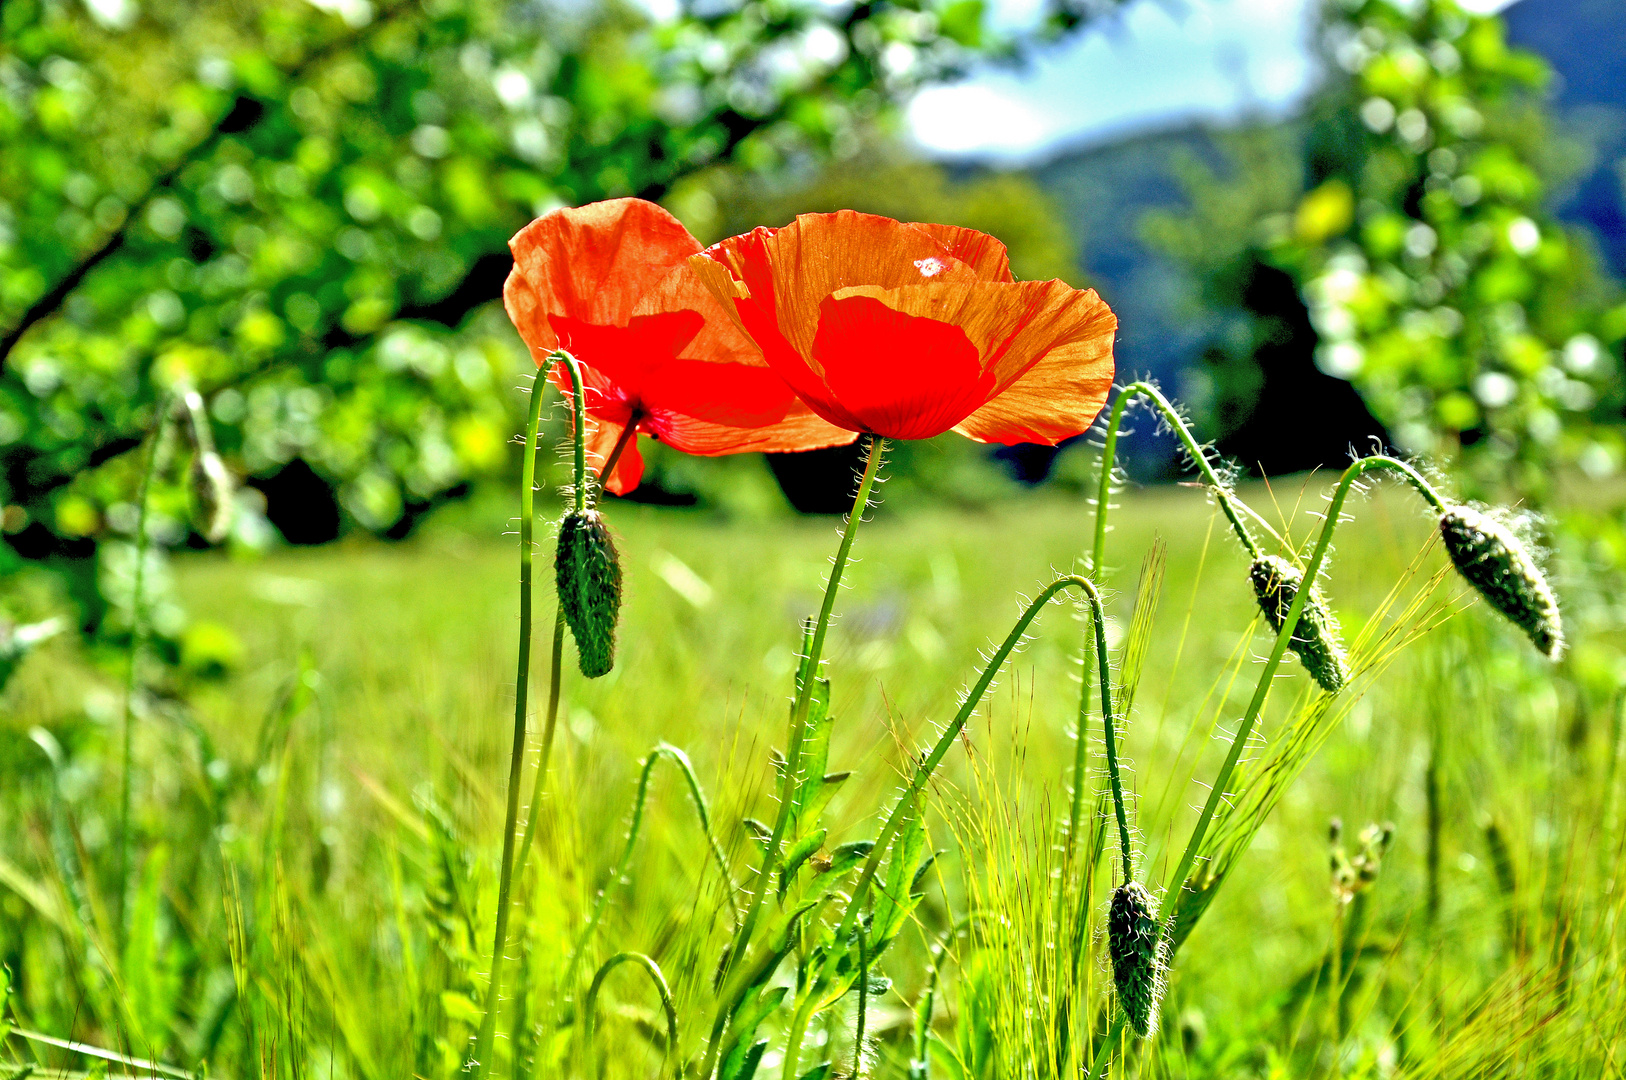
pixel 318 832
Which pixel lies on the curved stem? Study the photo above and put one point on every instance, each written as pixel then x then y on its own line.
pixel 661 988
pixel 485 1041
pixel 808 671
pixel 578 405
pixel 1283 638
pixel 138 645
pixel 928 765
pixel 793 1039
pixel 1109 452
pixel 702 810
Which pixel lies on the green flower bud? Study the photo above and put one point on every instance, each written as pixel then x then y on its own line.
pixel 589 581
pixel 1276 583
pixel 1138 956
pixel 1497 563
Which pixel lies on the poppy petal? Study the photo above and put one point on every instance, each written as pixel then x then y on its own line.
pixel 1045 353
pixel 896 374
pixel 984 254
pixel 801 429
pixel 591 263
pixel 1060 391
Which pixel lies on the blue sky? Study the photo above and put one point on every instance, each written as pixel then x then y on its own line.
pixel 1156 63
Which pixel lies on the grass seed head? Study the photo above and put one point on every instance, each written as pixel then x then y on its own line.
pixel 589 580
pixel 1276 583
pixel 1137 954
pixel 1497 563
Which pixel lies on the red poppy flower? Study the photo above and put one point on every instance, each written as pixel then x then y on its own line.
pixel 907 331
pixel 659 354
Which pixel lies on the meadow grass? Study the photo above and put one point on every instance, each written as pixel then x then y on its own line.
pixel 319 831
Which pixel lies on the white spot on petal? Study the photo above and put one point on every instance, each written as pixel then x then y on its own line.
pixel 930 267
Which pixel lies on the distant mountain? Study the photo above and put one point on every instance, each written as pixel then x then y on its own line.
pixel 1105 192
pixel 1585 42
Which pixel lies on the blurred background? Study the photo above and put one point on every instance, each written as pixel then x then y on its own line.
pixel 251 254
pixel 1323 226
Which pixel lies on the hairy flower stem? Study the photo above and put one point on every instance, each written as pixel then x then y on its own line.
pixel 1289 624
pixel 806 674
pixel 486 1040
pixel 928 765
pixel 138 645
pixel 1229 503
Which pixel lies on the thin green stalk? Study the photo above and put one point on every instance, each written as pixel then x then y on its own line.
pixel 1289 626
pixel 486 1039
pixel 857 1071
pixel 578 407
pixel 808 672
pixel 1109 454
pixel 793 1039
pixel 661 988
pixel 549 725
pixel 555 674
pixel 928 765
pixel 138 644
pixel 1103 1053
pixel 1081 750
pixel 702 811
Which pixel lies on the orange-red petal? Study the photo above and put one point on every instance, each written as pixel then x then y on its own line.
pixel 593 263
pixel 984 254
pixel 1045 353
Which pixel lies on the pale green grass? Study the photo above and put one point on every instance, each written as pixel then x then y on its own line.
pixel 351 948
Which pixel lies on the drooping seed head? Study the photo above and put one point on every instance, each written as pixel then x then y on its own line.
pixel 1276 584
pixel 1497 563
pixel 588 573
pixel 1138 956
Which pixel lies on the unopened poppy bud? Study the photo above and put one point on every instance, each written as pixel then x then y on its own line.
pixel 1497 563
pixel 1276 583
pixel 212 487
pixel 589 582
pixel 1137 954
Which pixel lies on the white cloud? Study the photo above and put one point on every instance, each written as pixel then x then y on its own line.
pixel 1156 63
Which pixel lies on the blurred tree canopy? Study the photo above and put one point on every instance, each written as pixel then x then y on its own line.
pixel 1400 237
pixel 300 209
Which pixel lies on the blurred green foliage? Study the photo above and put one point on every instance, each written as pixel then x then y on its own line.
pixel 301 210
pixel 1410 212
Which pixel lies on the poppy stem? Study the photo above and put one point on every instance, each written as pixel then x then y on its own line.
pixel 486 1040
pixel 578 405
pixel 807 672
pixel 928 765
pixel 1227 500
pixel 1285 636
pixel 629 435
